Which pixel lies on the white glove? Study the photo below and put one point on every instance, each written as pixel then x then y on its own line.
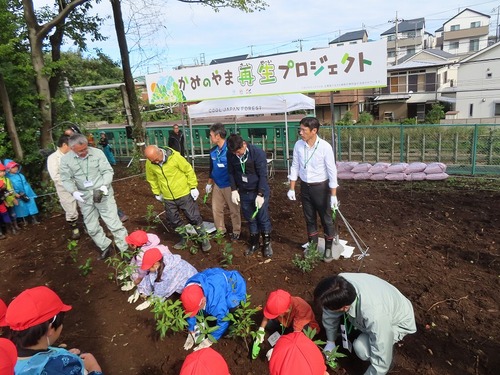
pixel 134 297
pixel 269 354
pixel 259 201
pixel 260 335
pixel 189 341
pixel 104 189
pixel 208 188
pixel 78 196
pixel 235 197
pixel 291 195
pixel 129 285
pixel 330 345
pixel 334 203
pixel 195 193
pixel 143 305
pixel 204 344
pixel 159 198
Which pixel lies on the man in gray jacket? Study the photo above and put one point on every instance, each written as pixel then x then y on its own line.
pixel 86 174
pixel 372 306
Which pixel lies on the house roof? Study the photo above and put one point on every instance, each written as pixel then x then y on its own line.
pixel 471 10
pixel 407 25
pixel 478 53
pixel 440 29
pixel 352 35
pixel 416 65
pixel 229 59
pixel 431 51
pixel 272 54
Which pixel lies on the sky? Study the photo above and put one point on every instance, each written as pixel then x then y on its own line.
pixel 172 33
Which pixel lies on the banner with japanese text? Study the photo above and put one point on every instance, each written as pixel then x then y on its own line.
pixel 354 66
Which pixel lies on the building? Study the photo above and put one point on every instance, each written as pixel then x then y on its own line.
pixel 407 38
pixel 466 33
pixel 353 37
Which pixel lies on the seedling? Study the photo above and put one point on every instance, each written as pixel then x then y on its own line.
pixel 192 240
pixel 204 330
pixel 309 260
pixel 73 250
pixel 169 315
pixel 121 264
pixel 86 268
pixel 151 217
pixel 242 321
pixel 227 254
pixel 332 358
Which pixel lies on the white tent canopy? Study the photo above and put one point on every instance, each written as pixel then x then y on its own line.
pixel 256 105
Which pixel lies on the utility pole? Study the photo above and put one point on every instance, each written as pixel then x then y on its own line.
pixel 497 25
pixel 396 22
pixel 300 43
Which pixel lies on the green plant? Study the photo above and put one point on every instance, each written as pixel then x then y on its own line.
pixel 86 268
pixel 310 333
pixel 241 320
pixel 435 114
pixel 73 249
pixel 204 329
pixel 333 356
pixel 121 264
pixel 169 315
pixel 227 255
pixel 309 260
pixel 152 217
pixel 192 240
pixel 365 118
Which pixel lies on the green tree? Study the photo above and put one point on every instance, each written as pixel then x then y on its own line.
pixel 435 114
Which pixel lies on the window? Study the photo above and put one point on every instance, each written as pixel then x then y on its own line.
pixel 353 42
pixel 454 45
pixel 497 109
pixel 410 51
pixel 340 44
pixel 416 81
pixel 391 54
pixel 391 38
pixel 430 82
pixel 454 27
pixel 445 76
pixel 398 83
pixel 475 24
pixel 474 45
pixel 471 109
pixel 489 75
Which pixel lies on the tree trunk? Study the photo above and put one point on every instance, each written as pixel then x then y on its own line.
pixel 9 120
pixel 138 129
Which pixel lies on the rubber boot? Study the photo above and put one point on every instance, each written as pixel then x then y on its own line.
pixel 180 245
pixel 327 257
pixel 14 225
pixel 34 220
pixel 205 244
pixel 267 249
pixel 75 232
pixel 2 236
pixel 11 229
pixel 254 244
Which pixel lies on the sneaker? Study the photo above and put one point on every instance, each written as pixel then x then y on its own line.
pixel 123 218
pixel 75 234
pixel 234 236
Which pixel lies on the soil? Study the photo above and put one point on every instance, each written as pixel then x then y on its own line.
pixel 437 242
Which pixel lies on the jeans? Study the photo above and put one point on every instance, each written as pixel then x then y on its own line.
pixel 262 222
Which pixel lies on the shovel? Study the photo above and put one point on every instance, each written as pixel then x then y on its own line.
pixel 337 247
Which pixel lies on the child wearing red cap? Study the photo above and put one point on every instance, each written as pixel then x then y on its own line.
pixel 35 318
pixel 8 357
pixel 214 292
pixel 25 195
pixel 290 312
pixel 204 362
pixel 295 354
pixel 140 241
pixel 166 274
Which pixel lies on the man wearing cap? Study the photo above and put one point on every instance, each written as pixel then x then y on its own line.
pixel 247 165
pixel 35 318
pixel 372 306
pixel 67 201
pixel 218 182
pixel 292 313
pixel 214 292
pixel 314 162
pixel 87 175
pixel 174 183
pixel 204 362
pixel 295 354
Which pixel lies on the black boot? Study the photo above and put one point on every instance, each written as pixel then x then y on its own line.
pixel 327 256
pixel 205 243
pixel 267 249
pixel 313 239
pixel 14 225
pixel 2 236
pixel 34 220
pixel 254 244
pixel 11 229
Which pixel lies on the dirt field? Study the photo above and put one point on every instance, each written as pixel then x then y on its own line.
pixel 438 242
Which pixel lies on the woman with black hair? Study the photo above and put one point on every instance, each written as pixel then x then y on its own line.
pixel 35 318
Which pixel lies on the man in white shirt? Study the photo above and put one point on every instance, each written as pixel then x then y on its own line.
pixel 66 200
pixel 314 163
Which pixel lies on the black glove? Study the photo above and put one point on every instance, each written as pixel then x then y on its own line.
pixel 24 197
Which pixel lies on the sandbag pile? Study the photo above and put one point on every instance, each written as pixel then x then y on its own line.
pixel 417 171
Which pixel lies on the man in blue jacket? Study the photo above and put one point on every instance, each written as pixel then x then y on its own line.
pixel 247 166
pixel 213 292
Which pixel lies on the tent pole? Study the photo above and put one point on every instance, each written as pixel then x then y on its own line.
pixel 191 138
pixel 332 109
pixel 286 140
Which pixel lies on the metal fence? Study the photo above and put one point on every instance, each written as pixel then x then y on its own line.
pixel 471 149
